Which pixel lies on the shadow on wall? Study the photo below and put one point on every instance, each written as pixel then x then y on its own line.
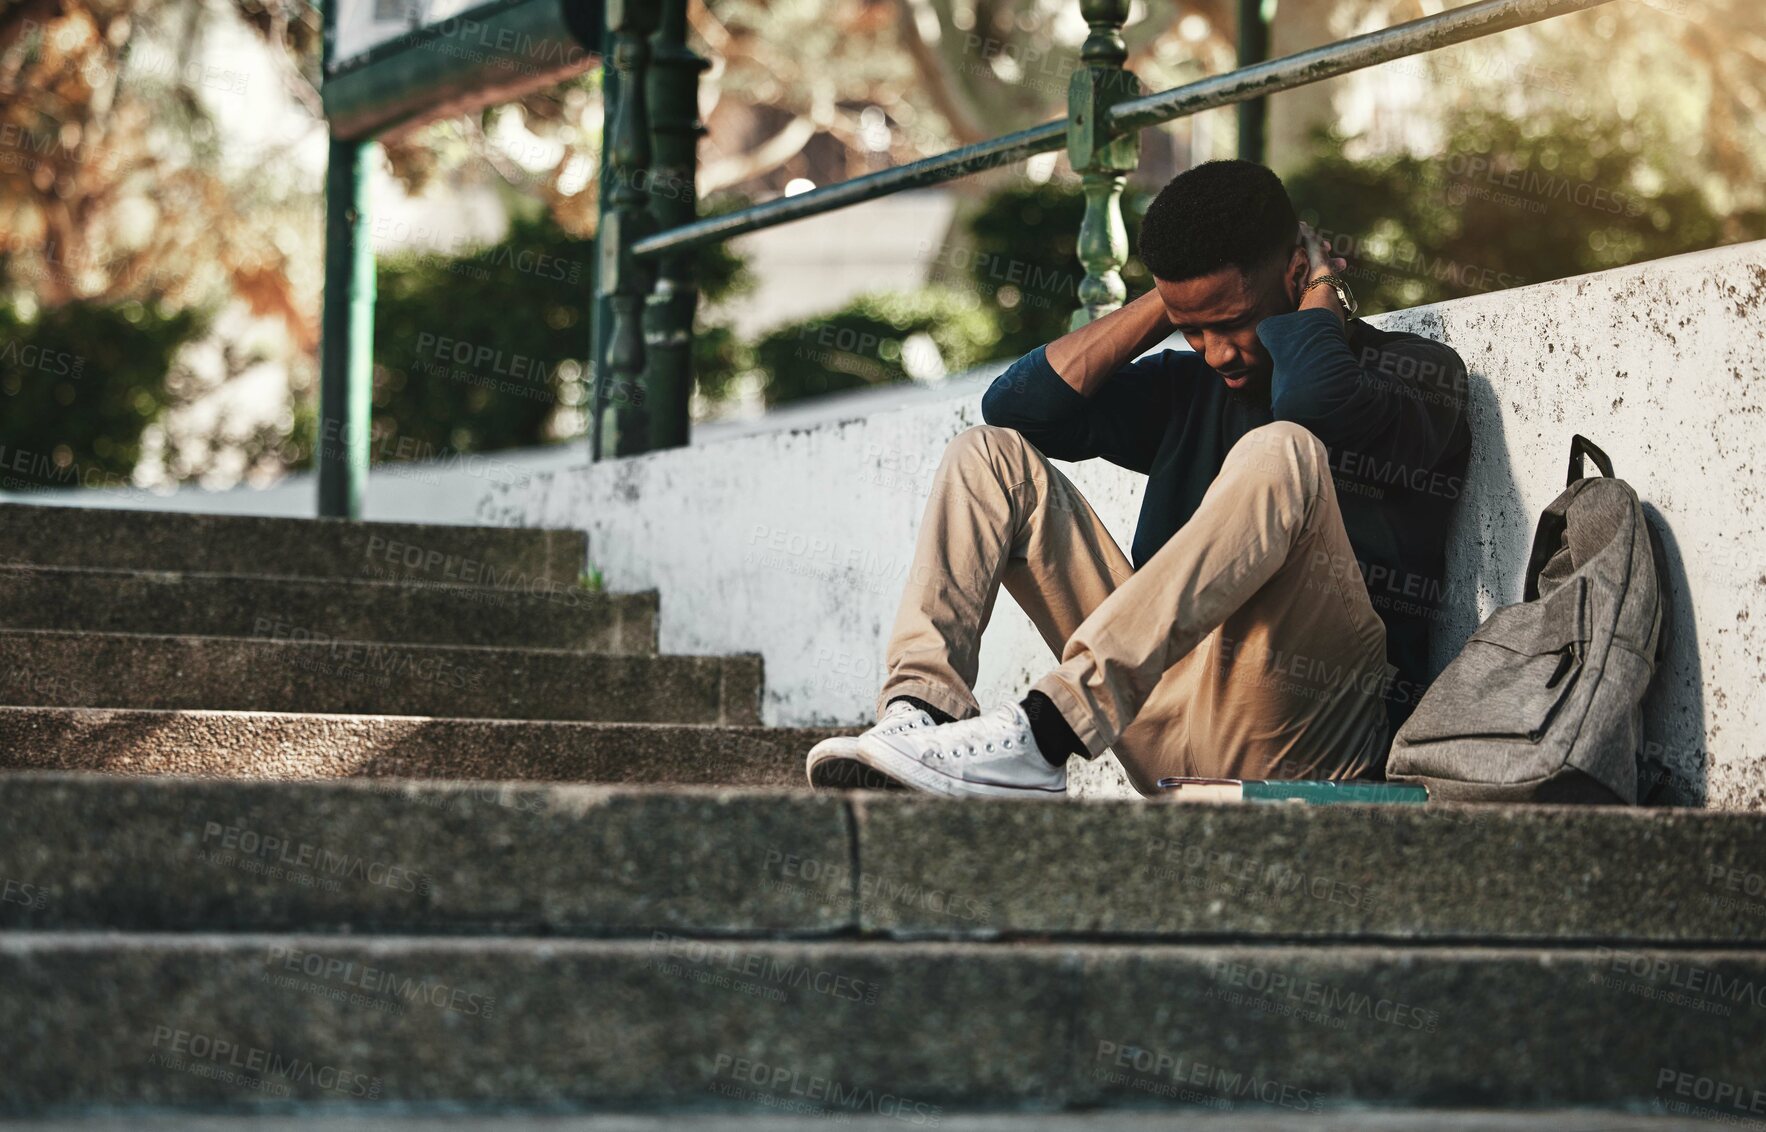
pixel 1674 735
pixel 1487 551
pixel 1488 539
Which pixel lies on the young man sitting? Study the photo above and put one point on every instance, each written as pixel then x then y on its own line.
pixel 1301 468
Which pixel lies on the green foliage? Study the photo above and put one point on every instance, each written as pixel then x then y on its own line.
pixel 875 340
pixel 718 270
pixel 1006 283
pixel 1507 203
pixel 78 385
pixel 719 355
pixel 478 352
pixel 1018 251
pixel 474 353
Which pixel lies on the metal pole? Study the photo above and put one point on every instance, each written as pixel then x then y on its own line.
pixel 623 278
pixel 346 351
pixel 674 140
pixel 346 344
pixel 1253 48
pixel 600 308
pixel 949 166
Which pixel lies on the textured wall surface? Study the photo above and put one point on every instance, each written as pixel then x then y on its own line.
pixel 794 542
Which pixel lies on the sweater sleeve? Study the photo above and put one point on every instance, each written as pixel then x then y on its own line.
pixel 1122 423
pixel 1406 399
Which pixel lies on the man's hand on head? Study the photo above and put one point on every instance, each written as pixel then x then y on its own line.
pixel 1321 260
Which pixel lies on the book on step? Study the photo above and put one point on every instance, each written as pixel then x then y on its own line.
pixel 1313 791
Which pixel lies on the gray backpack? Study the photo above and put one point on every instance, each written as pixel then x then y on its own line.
pixel 1544 703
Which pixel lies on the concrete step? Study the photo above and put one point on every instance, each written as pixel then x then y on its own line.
pixel 1252 1119
pixel 222 744
pixel 132 601
pixel 411 857
pixel 508 558
pixel 51 669
pixel 893 1029
pixel 200 855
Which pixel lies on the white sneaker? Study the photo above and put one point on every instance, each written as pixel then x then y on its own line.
pixel 834 764
pixel 993 756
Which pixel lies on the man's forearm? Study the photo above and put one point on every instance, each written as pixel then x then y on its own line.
pixel 1085 358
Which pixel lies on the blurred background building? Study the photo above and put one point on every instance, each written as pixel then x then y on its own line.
pixel 162 164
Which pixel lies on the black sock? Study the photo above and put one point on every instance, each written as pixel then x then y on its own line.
pixel 1054 735
pixel 937 716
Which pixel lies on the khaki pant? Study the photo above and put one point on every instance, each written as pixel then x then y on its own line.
pixel 1245 648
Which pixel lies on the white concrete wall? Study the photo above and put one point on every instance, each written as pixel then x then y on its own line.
pixel 436 491
pixel 452 489
pixel 794 542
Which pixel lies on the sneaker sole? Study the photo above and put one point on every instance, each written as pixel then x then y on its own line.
pixel 833 764
pixel 888 761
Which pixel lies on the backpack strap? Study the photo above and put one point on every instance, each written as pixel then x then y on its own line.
pixel 1549 534
pixel 1579 446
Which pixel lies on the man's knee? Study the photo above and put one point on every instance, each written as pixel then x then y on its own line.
pixel 1281 448
pixel 986 446
pixel 984 438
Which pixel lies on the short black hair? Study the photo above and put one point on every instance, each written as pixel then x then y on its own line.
pixel 1219 213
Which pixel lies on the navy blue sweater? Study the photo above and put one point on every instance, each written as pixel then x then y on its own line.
pixel 1389 407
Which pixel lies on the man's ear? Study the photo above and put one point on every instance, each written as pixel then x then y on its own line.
pixel 1294 278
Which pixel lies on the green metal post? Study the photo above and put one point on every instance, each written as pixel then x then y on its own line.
pixel 674 142
pixel 1254 48
pixel 623 278
pixel 346 350
pixel 601 309
pixel 1100 157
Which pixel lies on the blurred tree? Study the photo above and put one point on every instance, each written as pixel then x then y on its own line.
pixel 720 356
pixel 126 212
pixel 1017 250
pixel 78 384
pixel 475 352
pixel 487 350
pixel 126 174
pixel 1509 203
pixel 882 339
pixel 1505 203
pixel 115 180
pixel 1688 74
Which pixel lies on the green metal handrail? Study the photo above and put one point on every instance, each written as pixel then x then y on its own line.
pixel 947 166
pixel 645 281
pixel 1459 25
pixel 1444 29
pixel 645 293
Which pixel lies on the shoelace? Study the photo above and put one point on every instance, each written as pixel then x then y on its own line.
pixel 968 750
pixel 911 720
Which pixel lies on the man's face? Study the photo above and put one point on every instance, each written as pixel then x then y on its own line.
pixel 1218 315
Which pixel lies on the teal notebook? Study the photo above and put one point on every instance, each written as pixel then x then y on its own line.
pixel 1314 791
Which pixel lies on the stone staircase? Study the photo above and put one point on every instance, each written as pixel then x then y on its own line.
pixel 163 643
pixel 436 830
